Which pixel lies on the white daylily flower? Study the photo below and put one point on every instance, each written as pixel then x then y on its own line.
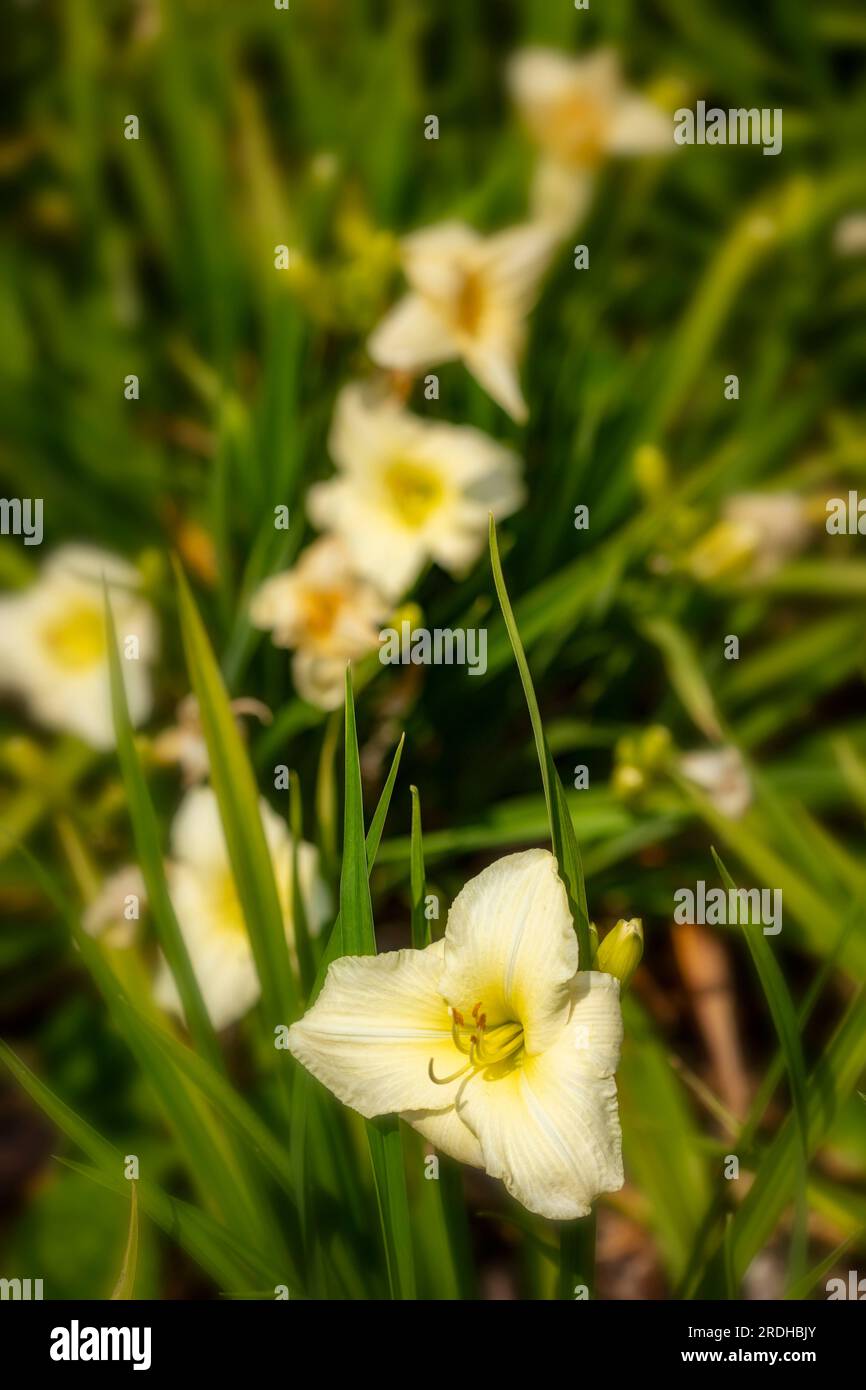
pixel 723 775
pixel 54 647
pixel 579 112
pixel 757 534
pixel 409 491
pixel 489 1042
pixel 208 910
pixel 324 611
pixel 469 299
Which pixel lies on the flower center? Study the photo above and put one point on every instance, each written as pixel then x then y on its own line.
pixel 487 1048
pixel 470 303
pixel 321 607
pixel 414 491
pixel 226 905
pixel 76 639
pixel 578 126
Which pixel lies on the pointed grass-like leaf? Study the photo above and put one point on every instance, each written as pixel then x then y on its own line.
pixel 356 909
pixel 300 923
pixel 358 938
pixel 804 1286
pixel 420 924
pixel 197 1232
pixel 563 838
pixel 147 842
pixel 371 847
pixel 213 1246
pixel 238 798
pixel 231 1107
pixel 125 1286
pixel 781 1009
pixel 212 1164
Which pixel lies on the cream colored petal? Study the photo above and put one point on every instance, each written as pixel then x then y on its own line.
pixel 448 1133
pixel 196 832
pixel 435 258
pixel 390 556
pixel 363 417
pixel 640 127
pixel 561 195
pixel 550 1128
pixel 514 262
pixel 276 605
pixel 329 505
pixel 594 1027
pixel 496 370
pixel 413 335
pixel 537 77
pixel 219 951
pixel 375 1028
pixel 510 946
pixel 320 680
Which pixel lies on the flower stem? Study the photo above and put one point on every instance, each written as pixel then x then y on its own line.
pixel 577 1259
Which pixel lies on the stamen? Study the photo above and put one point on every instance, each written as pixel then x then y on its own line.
pixel 485 1047
pixel 444 1080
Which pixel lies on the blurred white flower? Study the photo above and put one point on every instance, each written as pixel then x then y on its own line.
pixel 54 648
pixel 409 491
pixel 489 1042
pixel 326 613
pixel 208 910
pixel 723 775
pixel 115 911
pixel 469 299
pixel 184 743
pixel 579 112
pixel 757 534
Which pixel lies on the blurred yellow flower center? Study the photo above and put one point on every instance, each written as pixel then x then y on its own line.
pixel 494 1050
pixel 227 905
pixel 471 301
pixel 413 490
pixel 576 128
pixel 76 639
pixel 321 607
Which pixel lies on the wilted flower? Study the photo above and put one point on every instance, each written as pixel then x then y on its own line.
pixel 579 112
pixel 208 909
pixel 758 533
pixel 324 612
pixel 54 643
pixel 184 743
pixel 723 775
pixel 489 1042
pixel 409 491
pixel 469 299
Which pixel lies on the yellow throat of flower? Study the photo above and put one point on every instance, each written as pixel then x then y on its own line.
pixel 493 1051
pixel 76 638
pixel 414 491
pixel 226 906
pixel 471 302
pixel 321 608
pixel 576 128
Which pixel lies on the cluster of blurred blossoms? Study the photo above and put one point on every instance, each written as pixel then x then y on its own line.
pixel 409 492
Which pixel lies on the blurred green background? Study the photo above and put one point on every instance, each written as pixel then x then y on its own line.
pixel 156 257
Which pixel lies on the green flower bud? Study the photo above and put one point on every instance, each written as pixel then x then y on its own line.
pixel 620 952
